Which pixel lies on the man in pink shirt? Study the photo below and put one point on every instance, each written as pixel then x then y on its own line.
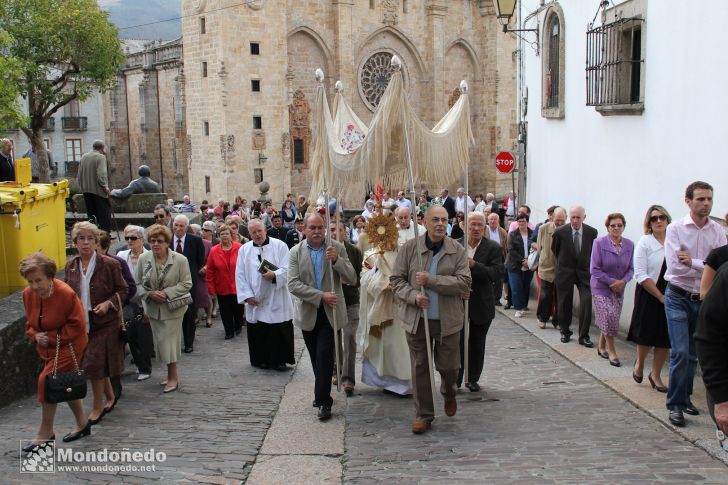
pixel 687 244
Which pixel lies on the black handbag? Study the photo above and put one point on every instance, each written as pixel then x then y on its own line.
pixel 66 386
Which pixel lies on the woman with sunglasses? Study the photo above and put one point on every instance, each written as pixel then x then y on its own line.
pixel 611 270
pixel 139 333
pixel 648 327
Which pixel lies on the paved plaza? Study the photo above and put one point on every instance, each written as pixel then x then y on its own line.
pixel 539 419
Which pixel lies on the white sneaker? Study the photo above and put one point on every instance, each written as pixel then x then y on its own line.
pixel 143 377
pixel 519 313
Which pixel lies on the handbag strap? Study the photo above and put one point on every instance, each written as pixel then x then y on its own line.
pixel 121 313
pixel 58 350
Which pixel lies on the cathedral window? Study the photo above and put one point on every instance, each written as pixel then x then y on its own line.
pixel 202 25
pixel 206 128
pixel 204 69
pixel 374 78
pixel 254 49
pixel 255 85
pixel 257 122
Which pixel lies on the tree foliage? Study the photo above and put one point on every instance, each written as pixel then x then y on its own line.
pixel 60 50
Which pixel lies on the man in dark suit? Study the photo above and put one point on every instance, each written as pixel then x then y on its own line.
pixel 295 235
pixel 192 248
pixel 572 247
pixel 276 229
pixel 448 203
pixel 486 268
pixel 7 167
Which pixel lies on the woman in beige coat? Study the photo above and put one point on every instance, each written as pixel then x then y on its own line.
pixel 162 276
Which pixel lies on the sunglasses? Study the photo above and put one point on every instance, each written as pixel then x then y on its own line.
pixel 616 226
pixel 661 217
pixel 157 241
pixel 206 230
pixel 131 238
pixel 159 216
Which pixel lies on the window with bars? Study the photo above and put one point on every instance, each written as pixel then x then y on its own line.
pixel 552 70
pixel 615 66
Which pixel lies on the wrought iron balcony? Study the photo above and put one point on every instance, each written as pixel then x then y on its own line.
pixel 74 123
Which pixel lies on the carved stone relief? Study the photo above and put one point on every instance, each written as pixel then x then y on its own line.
pixel 258 140
pixel 299 119
pixel 391 9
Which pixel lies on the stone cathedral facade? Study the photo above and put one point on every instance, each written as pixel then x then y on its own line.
pixel 249 82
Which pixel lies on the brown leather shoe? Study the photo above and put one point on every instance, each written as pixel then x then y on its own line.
pixel 420 426
pixel 451 407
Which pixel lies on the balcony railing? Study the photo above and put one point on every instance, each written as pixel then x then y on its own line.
pixel 74 123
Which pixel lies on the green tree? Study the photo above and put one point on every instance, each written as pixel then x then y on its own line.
pixel 61 50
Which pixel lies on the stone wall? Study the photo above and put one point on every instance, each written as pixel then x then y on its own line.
pixel 440 42
pixel 145 119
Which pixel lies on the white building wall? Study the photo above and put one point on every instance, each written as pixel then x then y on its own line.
pixel 626 163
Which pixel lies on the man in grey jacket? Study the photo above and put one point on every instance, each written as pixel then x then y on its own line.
pixel 93 180
pixel 315 301
pixel 445 277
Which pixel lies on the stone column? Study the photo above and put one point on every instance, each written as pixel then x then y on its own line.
pixel 344 49
pixel 436 13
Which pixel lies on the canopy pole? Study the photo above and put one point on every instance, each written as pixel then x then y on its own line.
pixel 333 290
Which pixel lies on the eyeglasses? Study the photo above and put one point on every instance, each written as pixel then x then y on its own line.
pixel 131 238
pixel 442 220
pixel 159 216
pixel 661 217
pixel 157 241
pixel 206 230
pixel 616 226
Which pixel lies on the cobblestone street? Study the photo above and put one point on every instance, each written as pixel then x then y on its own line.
pixel 539 419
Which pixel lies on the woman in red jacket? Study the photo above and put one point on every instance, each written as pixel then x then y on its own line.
pixel 53 311
pixel 221 281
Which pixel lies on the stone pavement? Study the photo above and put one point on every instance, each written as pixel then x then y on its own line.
pixel 211 429
pixel 699 430
pixel 539 419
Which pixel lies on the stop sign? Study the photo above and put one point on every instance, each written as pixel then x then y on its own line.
pixel 505 162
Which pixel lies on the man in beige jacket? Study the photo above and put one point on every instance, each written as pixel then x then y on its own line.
pixel 93 181
pixel 445 277
pixel 547 269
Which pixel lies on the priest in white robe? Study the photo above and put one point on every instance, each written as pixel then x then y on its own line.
pixel 385 355
pixel 261 279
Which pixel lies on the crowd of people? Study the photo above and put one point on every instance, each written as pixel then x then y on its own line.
pixel 383 282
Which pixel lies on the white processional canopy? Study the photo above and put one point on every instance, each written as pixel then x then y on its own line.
pixel 349 156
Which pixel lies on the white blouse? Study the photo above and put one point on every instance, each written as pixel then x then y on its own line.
pixel 648 258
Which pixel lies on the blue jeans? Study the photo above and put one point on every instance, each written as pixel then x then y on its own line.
pixel 520 282
pixel 682 316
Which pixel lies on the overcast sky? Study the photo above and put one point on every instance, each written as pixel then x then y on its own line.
pixel 127 13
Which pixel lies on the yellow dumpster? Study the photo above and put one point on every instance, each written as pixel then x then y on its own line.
pixel 32 218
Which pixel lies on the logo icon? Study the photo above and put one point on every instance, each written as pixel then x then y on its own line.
pixel 40 459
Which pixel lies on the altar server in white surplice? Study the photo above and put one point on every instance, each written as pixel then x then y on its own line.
pixel 268 306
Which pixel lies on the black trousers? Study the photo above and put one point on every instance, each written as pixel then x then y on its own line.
pixel 476 351
pixel 231 313
pixel 141 345
pixel 99 209
pixel 188 324
pixel 565 308
pixel 320 346
pixel 546 298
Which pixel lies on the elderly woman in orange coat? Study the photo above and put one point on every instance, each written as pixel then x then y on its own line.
pixel 53 311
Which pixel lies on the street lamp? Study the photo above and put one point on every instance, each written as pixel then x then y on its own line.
pixel 504 11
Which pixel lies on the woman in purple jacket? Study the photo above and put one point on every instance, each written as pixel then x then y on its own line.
pixel 611 269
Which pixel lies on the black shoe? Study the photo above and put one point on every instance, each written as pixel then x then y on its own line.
pixel 555 324
pixel 615 362
pixel 113 405
pixel 228 337
pixel 96 421
pixel 691 410
pixel 586 342
pixel 187 350
pixel 603 354
pixel 78 434
pixel 316 404
pixel 508 306
pixel 637 379
pixel 239 331
pixel 676 418
pixel 565 339
pixel 324 412
pixel 473 386
pixel 32 446
pixel 657 388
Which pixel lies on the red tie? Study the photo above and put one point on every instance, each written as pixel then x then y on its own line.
pixel 179 246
